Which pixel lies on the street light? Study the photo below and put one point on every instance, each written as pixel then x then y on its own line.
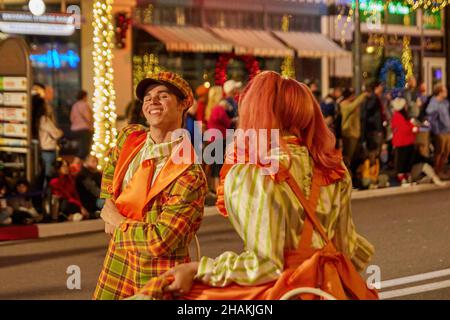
pixel 357 81
pixel 37 7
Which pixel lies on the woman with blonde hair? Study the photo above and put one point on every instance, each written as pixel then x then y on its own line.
pixel 215 94
pixel 279 227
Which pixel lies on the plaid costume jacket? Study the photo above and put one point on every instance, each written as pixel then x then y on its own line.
pixel 140 250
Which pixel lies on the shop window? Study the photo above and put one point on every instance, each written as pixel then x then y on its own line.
pixel 56 63
pixel 432 20
pixel 308 70
pixel 296 22
pixel 192 16
pixel 398 13
pixel 168 15
pixel 164 16
pixel 235 19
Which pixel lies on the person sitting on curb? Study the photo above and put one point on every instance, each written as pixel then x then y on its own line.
pixel 369 171
pixel 88 182
pixel 24 211
pixel 65 196
pixel 5 210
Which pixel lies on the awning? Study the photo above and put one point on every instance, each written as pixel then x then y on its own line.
pixel 312 44
pixel 187 39
pixel 255 42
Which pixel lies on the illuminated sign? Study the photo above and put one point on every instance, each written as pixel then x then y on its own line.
pixel 26 23
pixel 37 28
pixel 54 18
pixel 378 6
pixel 54 59
pixel 432 20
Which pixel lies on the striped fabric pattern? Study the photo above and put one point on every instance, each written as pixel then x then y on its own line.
pixel 148 248
pixel 269 219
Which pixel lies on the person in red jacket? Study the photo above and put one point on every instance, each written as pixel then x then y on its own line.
pixel 63 189
pixel 404 137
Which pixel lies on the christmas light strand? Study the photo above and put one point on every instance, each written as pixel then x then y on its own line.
pixel 287 67
pixel 407 57
pixel 104 95
pixel 434 5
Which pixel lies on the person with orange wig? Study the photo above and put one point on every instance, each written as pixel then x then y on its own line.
pixel 269 215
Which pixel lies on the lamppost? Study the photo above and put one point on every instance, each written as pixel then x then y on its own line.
pixel 357 79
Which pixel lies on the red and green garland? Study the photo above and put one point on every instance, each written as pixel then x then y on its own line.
pixel 251 64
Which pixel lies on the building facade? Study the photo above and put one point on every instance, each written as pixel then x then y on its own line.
pixel 396 31
pixel 193 37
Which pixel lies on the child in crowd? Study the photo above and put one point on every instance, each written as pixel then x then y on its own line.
pixel 64 194
pixel 75 166
pixel 369 171
pixel 5 210
pixel 24 211
pixel 88 182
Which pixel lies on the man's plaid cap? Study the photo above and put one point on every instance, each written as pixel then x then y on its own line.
pixel 174 82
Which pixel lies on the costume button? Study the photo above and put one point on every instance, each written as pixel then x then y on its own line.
pixel 110 189
pixel 124 227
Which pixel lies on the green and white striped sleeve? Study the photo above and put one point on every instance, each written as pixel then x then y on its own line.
pixel 255 209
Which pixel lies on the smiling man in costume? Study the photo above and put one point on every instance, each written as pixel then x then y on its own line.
pixel 155 192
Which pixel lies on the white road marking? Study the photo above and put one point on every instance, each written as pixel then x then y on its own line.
pixel 415 278
pixel 414 290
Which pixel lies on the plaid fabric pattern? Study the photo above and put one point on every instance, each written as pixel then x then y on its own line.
pixel 141 250
pixel 154 289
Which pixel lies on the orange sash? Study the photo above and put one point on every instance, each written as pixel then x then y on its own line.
pixel 130 202
pixel 325 269
pixel 133 200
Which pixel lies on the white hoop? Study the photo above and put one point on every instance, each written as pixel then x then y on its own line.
pixel 197 246
pixel 317 292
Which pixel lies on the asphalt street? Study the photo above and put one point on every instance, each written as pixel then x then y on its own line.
pixel 411 234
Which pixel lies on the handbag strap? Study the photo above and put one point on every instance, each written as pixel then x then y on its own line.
pixel 309 206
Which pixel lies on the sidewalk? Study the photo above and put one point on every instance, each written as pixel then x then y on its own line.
pixel 46 230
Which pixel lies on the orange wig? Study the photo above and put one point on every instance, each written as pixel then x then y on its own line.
pixel 272 102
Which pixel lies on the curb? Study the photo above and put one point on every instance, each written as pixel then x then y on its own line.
pixel 394 191
pixel 47 230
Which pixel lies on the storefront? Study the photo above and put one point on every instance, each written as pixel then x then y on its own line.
pixel 221 40
pixel 54 44
pixel 413 38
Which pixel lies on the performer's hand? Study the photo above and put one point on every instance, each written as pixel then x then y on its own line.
pixel 109 229
pixel 183 278
pixel 110 214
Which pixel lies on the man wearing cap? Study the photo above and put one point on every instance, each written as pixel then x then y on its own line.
pixel 155 192
pixel 231 88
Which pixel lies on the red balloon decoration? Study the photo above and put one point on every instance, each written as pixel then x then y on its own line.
pixel 251 64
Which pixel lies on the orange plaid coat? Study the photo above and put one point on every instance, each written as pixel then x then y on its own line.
pixel 141 250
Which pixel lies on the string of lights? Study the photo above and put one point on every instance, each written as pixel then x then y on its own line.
pixel 104 95
pixel 407 59
pixel 433 5
pixel 287 67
